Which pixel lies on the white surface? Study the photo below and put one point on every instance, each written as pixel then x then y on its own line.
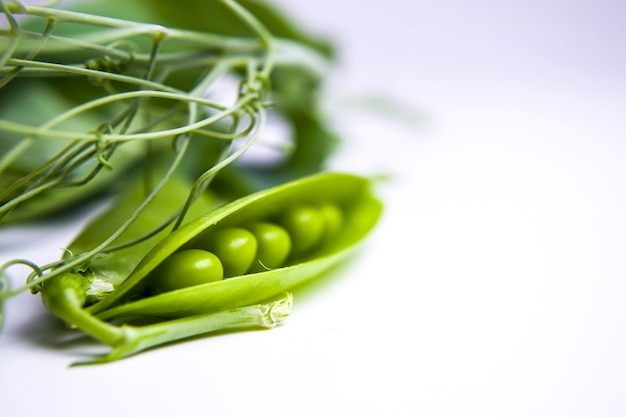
pixel 494 285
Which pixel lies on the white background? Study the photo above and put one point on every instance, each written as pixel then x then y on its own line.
pixel 493 286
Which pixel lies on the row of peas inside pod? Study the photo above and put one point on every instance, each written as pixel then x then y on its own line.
pixel 256 246
pixel 346 212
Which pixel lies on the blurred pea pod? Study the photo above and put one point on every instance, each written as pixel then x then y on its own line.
pixel 310 225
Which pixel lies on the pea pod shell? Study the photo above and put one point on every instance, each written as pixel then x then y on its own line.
pixel 352 193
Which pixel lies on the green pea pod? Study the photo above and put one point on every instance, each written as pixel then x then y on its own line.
pixel 194 309
pixel 349 192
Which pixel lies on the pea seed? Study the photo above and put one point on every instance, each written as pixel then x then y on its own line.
pixel 333 219
pixel 235 247
pixel 274 245
pixel 185 269
pixel 305 224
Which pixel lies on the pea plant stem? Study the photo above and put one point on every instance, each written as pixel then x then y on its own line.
pixel 52 69
pixel 120 29
pixel 45 131
pixel 13 29
pixel 135 339
pixel 65 298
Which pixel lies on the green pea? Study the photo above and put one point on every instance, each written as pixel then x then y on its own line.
pixel 333 219
pixel 274 245
pixel 236 248
pixel 305 224
pixel 185 269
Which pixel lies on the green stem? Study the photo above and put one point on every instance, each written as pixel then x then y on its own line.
pixel 44 131
pixel 65 296
pixel 31 55
pixel 251 21
pixel 14 153
pixel 52 69
pixel 136 339
pixel 13 30
pixel 128 28
pixel 54 178
pixel 203 180
pixel 39 172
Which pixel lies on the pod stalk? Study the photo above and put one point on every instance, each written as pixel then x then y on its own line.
pixel 139 338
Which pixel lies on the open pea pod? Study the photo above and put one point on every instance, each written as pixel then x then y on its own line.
pixel 359 211
pixel 318 221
